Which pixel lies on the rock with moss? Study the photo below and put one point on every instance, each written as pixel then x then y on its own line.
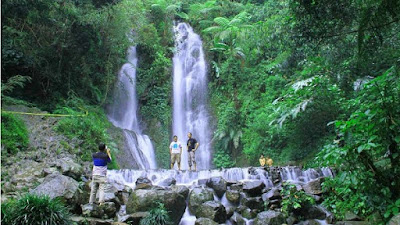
pixel 269 217
pixel 218 184
pixel 198 196
pixel 205 221
pixel 213 210
pixel 146 199
pixel 57 185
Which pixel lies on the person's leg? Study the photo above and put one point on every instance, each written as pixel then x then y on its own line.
pixel 190 161
pixel 102 184
pixel 172 161
pixel 93 190
pixel 178 159
pixel 194 161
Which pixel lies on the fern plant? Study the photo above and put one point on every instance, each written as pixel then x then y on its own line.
pixel 158 216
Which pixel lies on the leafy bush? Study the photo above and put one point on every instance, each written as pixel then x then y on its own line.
pixel 32 209
pixel 294 200
pixel 223 160
pixel 91 129
pixel 367 152
pixel 14 135
pixel 157 216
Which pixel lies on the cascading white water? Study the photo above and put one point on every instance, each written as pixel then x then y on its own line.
pixel 122 178
pixel 190 112
pixel 123 114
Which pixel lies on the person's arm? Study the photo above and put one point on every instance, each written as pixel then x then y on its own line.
pixel 170 149
pixel 196 146
pixel 109 153
pixel 180 146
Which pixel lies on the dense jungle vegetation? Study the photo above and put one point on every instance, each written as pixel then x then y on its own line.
pixel 309 82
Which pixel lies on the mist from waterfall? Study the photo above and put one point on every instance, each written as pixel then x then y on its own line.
pixel 190 113
pixel 122 113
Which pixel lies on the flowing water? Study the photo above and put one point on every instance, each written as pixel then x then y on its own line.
pixel 291 174
pixel 123 114
pixel 190 113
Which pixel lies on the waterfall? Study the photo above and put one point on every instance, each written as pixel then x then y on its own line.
pixel 190 112
pixel 122 113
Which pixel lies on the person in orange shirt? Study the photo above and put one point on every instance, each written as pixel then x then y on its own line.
pixel 269 161
pixel 262 160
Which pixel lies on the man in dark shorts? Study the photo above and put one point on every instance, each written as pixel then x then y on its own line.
pixel 192 146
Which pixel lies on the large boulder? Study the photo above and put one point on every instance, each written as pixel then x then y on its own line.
pixel 167 182
pixel 353 223
pixel 349 216
pixel 58 185
pixel 218 184
pixel 69 167
pixel 236 218
pixel 246 212
pixel 314 186
pixel 105 211
pixel 272 194
pixel 233 196
pixel 253 203
pixel 26 175
pixel 198 196
pixel 143 183
pixel 253 188
pixel 269 217
pixel 213 210
pixel 395 220
pixel 205 221
pixel 134 218
pixel 146 199
pixel 181 189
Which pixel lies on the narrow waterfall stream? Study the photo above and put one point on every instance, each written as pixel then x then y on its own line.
pixel 122 113
pixel 190 113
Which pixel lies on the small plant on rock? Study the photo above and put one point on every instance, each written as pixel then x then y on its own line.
pixel 294 200
pixel 158 216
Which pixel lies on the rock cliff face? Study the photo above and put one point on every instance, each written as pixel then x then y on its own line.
pixel 48 154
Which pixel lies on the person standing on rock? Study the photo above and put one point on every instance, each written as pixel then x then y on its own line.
pixel 175 150
pixel 99 175
pixel 192 146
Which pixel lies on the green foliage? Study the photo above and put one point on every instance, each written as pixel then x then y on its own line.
pixel 223 160
pixel 91 129
pixel 294 200
pixel 31 209
pixel 66 47
pixel 14 135
pixel 367 151
pixel 157 216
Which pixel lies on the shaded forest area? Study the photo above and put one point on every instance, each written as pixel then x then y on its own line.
pixel 314 83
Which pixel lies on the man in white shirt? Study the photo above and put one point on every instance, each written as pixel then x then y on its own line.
pixel 175 149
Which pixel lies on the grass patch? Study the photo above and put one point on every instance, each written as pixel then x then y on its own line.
pixel 14 135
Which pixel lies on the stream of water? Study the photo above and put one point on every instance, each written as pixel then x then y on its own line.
pixel 190 112
pixel 122 113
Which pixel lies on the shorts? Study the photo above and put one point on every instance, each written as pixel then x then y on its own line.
pixel 175 157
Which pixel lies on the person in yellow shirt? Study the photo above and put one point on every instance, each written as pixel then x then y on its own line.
pixel 262 160
pixel 269 161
